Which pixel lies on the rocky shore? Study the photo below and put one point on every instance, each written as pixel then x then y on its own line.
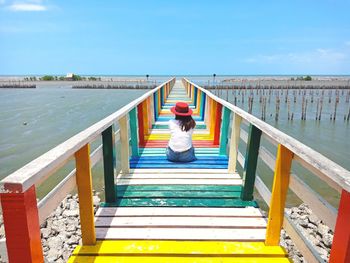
pixel 61 232
pixel 315 231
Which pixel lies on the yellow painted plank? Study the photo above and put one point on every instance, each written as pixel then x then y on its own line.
pixel 190 259
pixel 84 184
pixel 148 247
pixel 278 195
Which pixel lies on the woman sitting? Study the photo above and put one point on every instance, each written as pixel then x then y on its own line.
pixel 180 147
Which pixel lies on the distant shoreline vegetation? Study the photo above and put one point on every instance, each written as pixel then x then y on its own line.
pixel 74 77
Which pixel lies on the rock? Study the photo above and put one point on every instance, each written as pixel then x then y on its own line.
pixel 45 232
pixel 322 229
pixel 327 240
pixel 313 219
pixel 96 200
pixel 303 222
pixel 52 255
pixel 55 242
pixel 69 213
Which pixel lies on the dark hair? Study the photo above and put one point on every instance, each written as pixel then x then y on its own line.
pixel 186 122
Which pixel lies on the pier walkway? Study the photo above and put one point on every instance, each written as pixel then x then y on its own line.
pixel 161 211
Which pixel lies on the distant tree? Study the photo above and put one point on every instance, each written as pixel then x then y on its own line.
pixel 61 78
pixel 307 78
pixel 92 78
pixel 47 78
pixel 76 77
pixel 147 76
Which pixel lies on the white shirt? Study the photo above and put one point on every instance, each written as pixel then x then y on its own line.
pixel 180 141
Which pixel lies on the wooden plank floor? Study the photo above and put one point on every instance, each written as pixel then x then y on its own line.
pixel 179 212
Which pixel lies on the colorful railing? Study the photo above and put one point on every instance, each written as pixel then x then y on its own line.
pixel 23 214
pixel 225 122
pixel 289 150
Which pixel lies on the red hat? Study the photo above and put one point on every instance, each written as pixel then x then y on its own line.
pixel 181 109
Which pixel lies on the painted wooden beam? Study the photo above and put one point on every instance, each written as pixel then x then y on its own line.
pixel 21 221
pixel 251 161
pixel 140 124
pixel 133 133
pixel 203 104
pixel 84 184
pixel 109 163
pixel 124 141
pixel 234 142
pixel 224 131
pixel 217 119
pixel 279 195
pixel 340 252
pixel 145 117
pixel 155 106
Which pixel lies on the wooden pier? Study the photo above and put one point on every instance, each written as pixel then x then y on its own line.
pixel 161 211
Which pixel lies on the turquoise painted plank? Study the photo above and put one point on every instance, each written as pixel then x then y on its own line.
pixel 133 133
pixel 224 130
pixel 250 164
pixel 179 202
pixel 202 110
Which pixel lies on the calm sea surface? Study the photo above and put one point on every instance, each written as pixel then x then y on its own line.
pixel 33 121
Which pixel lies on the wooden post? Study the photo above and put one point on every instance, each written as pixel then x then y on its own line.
pixel 251 161
pixel 84 185
pixel 22 230
pixel 124 141
pixel 133 133
pixel 108 147
pixel 278 195
pixel 224 131
pixel 155 106
pixel 217 119
pixel 235 135
pixel 203 100
pixel 140 124
pixel 340 252
pixel 145 117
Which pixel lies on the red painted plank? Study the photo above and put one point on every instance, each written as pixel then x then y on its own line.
pixel 140 123
pixel 21 220
pixel 340 252
pixel 217 124
pixel 164 143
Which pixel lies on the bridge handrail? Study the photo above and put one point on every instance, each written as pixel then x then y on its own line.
pixel 326 169
pixel 37 170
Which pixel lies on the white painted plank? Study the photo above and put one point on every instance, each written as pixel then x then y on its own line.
pixel 179 181
pixel 185 171
pixel 181 234
pixel 237 222
pixel 178 176
pixel 179 211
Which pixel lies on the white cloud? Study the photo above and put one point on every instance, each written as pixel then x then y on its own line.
pixel 26 6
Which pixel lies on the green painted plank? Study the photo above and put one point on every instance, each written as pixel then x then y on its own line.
pixel 176 202
pixel 109 163
pixel 224 130
pixel 250 164
pixel 178 194
pixel 133 133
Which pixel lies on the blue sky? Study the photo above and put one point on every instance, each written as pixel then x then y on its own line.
pixel 174 37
